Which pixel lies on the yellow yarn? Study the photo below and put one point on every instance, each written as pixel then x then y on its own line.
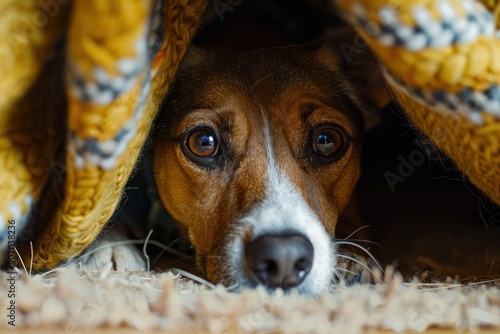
pixel 92 194
pixel 27 119
pixel 475 65
pixel 24 44
pixel 102 33
pixel 103 122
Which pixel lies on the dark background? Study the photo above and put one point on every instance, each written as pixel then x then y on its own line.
pixel 435 223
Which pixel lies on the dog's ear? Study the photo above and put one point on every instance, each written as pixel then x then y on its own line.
pixel 361 68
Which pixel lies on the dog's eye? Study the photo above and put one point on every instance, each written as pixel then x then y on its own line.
pixel 202 143
pixel 328 141
pixel 203 146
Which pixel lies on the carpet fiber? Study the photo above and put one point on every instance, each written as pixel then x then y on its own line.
pixel 73 299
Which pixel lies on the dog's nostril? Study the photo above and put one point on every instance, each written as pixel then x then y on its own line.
pixel 301 264
pixel 270 266
pixel 280 260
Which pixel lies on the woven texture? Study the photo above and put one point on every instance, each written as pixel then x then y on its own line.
pixel 78 301
pixel 120 58
pixel 441 58
pixel 95 179
pixel 29 125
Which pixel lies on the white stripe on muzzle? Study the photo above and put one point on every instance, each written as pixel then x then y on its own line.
pixel 284 210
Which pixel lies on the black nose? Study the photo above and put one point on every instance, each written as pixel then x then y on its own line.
pixel 280 261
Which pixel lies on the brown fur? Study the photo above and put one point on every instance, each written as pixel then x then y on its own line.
pixel 291 90
pixel 262 67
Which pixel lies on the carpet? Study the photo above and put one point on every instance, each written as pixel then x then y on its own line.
pixel 76 299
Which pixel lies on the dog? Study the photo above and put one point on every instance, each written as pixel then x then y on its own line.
pixel 257 150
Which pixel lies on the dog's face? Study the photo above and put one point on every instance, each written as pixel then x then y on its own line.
pixel 257 155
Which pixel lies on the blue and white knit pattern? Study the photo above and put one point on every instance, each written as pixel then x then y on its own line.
pixel 428 32
pixel 105 89
pixel 19 221
pixel 469 103
pixel 105 153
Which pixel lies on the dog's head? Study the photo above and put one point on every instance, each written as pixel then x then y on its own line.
pixel 257 155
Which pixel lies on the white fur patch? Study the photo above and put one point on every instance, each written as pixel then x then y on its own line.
pixel 284 210
pixel 111 250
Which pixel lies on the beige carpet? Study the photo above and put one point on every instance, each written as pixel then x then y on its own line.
pixel 74 300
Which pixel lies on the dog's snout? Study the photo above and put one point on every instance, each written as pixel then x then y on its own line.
pixel 280 261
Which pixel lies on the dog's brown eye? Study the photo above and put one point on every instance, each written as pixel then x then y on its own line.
pixel 328 141
pixel 202 143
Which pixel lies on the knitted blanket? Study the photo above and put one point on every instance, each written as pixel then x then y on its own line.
pixel 82 82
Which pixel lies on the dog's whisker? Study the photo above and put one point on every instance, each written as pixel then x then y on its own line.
pixel 145 253
pixel 339 277
pixel 340 273
pixel 187 257
pixel 233 287
pixel 357 261
pixel 22 262
pixel 356 231
pixel 346 270
pixel 168 248
pixel 31 253
pixel 366 241
pixel 193 277
pixel 165 249
pixel 363 249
